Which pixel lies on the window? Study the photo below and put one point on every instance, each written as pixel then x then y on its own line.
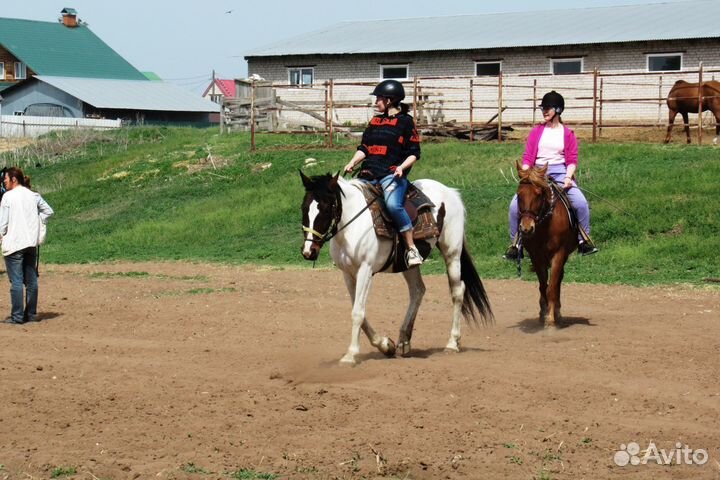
pixel 20 71
pixel 2 71
pixel 566 66
pixel 216 98
pixel 488 68
pixel 398 72
pixel 664 62
pixel 301 76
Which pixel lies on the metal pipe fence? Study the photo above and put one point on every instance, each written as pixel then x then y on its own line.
pixel 594 100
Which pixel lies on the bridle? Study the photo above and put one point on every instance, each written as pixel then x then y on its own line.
pixel 541 216
pixel 332 230
pixel 336 215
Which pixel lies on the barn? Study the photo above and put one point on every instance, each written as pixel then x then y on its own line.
pixel 561 49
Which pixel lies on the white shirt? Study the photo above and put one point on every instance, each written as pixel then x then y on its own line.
pixel 551 149
pixel 21 212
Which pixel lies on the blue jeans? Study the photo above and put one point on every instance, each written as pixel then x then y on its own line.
pixel 394 189
pixel 21 271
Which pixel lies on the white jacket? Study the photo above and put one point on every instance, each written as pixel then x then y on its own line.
pixel 21 212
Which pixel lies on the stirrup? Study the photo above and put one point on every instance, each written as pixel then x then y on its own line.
pixel 512 253
pixel 413 257
pixel 587 248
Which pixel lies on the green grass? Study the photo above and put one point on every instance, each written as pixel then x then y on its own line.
pixel 58 472
pixel 151 193
pixel 245 474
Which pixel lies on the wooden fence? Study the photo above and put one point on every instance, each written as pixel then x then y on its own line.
pixel 467 106
pixel 30 126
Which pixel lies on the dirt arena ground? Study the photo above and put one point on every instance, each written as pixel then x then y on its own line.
pixel 179 370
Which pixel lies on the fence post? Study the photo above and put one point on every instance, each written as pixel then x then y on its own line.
pixel 594 106
pixel 326 103
pixel 600 101
pixel 330 113
pixel 660 99
pixel 500 100
pixel 252 117
pixel 534 100
pixel 700 102
pixel 416 107
pixel 472 132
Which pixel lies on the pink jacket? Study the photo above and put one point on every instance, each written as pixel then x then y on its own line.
pixel 531 147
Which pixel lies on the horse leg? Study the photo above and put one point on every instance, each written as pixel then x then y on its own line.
pixel 556 278
pixel 686 122
pixel 416 288
pixel 541 270
pixel 671 121
pixel 384 344
pixel 457 292
pixel 359 293
pixel 717 124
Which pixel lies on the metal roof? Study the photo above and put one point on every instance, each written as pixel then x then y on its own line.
pixel 51 48
pixel 131 94
pixel 627 23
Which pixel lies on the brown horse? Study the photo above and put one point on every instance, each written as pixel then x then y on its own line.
pixel 547 235
pixel 683 99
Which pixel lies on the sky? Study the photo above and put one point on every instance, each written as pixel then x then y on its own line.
pixel 183 41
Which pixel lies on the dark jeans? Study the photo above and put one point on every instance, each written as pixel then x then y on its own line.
pixel 23 277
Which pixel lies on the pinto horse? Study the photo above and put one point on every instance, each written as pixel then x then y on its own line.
pixel 335 210
pixel 547 235
pixel 683 98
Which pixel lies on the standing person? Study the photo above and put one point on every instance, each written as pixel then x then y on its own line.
pixel 21 212
pixel 553 144
pixel 390 146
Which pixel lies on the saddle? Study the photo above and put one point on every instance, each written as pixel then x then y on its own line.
pixel 565 200
pixel 419 208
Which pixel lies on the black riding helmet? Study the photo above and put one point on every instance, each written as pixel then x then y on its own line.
pixel 391 89
pixel 553 100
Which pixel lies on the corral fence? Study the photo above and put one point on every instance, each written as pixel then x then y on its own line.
pixel 468 107
pixel 31 126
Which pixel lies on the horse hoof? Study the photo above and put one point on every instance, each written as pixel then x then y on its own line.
pixel 348 361
pixel 387 347
pixel 404 348
pixel 452 349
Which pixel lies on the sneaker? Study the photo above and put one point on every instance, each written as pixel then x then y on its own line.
pixel 11 321
pixel 413 257
pixel 512 253
pixel 587 249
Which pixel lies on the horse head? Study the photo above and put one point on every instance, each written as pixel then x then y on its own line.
pixel 532 197
pixel 321 212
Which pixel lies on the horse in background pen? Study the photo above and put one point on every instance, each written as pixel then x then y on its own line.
pixel 684 98
pixel 335 210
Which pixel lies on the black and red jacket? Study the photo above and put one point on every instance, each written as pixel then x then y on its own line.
pixel 386 143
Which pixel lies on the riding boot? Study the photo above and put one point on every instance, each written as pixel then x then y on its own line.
pixel 513 252
pixel 586 245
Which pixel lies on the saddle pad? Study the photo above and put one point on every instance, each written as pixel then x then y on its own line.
pixel 417 204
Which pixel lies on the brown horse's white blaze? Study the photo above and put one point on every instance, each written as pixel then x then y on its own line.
pixel 334 211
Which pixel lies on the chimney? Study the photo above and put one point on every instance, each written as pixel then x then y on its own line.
pixel 69 17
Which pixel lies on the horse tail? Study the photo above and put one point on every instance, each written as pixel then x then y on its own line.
pixel 475 297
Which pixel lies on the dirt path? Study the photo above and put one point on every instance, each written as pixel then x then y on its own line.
pixel 172 371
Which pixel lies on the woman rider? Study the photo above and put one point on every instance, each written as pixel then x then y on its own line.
pixel 553 144
pixel 390 146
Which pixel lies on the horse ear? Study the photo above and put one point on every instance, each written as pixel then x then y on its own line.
pixel 306 181
pixel 522 173
pixel 334 181
pixel 543 170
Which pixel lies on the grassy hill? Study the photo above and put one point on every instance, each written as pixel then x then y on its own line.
pixel 191 194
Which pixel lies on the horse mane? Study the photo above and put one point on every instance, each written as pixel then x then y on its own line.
pixel 536 178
